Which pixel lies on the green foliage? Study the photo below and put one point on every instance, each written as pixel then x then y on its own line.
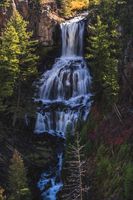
pixel 17 66
pixel 88 148
pixel 128 182
pixel 106 173
pixel 113 170
pixel 102 151
pixel 9 62
pixel 87 133
pixel 103 54
pixel 109 31
pixel 124 152
pixel 17 179
pixel 27 68
pixel 84 136
pixel 5 3
pixel 104 165
pixel 104 168
pixel 27 58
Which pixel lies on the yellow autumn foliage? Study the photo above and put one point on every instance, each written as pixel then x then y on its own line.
pixel 79 4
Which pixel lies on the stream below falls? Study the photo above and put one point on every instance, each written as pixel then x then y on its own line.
pixel 65 96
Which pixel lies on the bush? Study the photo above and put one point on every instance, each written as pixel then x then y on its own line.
pixel 104 168
pixel 128 182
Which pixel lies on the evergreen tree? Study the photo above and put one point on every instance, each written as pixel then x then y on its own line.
pixel 17 66
pixel 27 66
pixel 103 53
pixel 27 58
pixel 17 179
pixel 9 63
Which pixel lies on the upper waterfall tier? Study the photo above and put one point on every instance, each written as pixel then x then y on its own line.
pixel 72 37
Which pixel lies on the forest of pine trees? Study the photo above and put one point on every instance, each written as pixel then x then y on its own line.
pixel 105 140
pixel 18 70
pixel 107 132
pixel 17 62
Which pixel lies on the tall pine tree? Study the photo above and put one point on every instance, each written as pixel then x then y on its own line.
pixel 27 67
pixel 104 51
pixel 9 63
pixel 18 66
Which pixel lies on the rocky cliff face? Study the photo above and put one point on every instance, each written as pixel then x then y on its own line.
pixel 43 18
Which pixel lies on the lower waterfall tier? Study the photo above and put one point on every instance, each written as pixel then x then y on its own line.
pixel 50 182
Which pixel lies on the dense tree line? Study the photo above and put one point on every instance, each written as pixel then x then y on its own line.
pixel 104 50
pixel 108 133
pixel 17 64
pixel 18 70
pixel 109 160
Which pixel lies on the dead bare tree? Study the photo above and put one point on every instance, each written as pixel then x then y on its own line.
pixel 74 169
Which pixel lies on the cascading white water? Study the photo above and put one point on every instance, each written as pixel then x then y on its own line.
pixel 64 96
pixel 72 32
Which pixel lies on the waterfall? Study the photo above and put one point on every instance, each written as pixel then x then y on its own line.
pixel 72 33
pixel 64 96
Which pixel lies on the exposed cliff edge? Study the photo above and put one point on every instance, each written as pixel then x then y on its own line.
pixel 43 18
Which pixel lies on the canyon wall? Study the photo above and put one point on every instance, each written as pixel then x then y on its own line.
pixel 43 18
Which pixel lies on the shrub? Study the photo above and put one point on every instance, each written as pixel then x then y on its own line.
pixel 128 182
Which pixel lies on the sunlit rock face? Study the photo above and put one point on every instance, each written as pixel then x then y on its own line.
pixel 64 97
